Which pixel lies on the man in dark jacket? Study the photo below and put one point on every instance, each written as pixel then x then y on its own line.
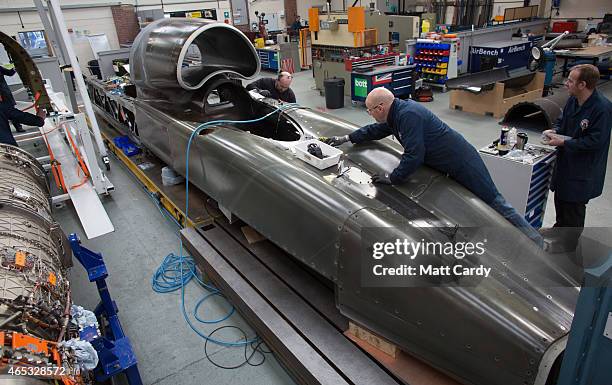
pixel 428 140
pixel 583 153
pixel 13 114
pixel 297 24
pixel 278 88
pixel 6 95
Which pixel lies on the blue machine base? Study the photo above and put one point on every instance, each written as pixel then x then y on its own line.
pixel 114 350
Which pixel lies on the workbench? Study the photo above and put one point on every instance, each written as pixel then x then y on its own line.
pixel 594 54
pixel 397 79
pixel 524 185
pixel 116 105
pixel 272 57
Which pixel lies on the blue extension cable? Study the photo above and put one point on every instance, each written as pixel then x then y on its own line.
pixel 176 271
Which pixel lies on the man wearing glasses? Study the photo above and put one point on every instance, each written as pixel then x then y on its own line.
pixel 279 88
pixel 428 140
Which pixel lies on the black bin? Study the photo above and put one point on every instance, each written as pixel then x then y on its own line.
pixel 334 92
pixel 94 68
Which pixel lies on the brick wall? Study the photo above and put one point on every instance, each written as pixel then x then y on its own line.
pixel 126 23
pixel 291 12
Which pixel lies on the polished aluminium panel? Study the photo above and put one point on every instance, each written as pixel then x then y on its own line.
pixel 501 331
pixel 159 52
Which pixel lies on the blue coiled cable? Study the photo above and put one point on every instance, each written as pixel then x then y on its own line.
pixel 176 271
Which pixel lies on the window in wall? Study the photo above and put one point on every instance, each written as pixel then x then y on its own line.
pixel 35 42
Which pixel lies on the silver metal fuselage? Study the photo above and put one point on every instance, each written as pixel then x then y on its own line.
pixel 504 330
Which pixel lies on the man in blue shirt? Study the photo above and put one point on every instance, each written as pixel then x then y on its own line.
pixel 582 137
pixel 428 140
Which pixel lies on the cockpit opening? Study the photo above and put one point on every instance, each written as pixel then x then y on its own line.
pixel 227 100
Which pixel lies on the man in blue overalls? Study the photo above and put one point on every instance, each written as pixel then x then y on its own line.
pixel 428 140
pixel 6 95
pixel 8 112
pixel 582 157
pixel 13 114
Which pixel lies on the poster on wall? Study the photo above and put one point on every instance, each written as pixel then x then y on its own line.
pixel 194 14
pixel 210 14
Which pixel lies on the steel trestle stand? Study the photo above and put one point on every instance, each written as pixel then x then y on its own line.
pixel 113 346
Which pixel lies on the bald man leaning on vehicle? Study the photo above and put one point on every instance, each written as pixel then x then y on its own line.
pixel 428 140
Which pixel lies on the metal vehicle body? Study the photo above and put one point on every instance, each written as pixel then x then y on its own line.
pixel 505 330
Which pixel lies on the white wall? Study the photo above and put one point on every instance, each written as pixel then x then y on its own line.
pixel 83 21
pixel 580 9
pixel 177 6
pixel 304 5
pixel 30 3
pixel 337 5
pixel 269 7
pixel 94 19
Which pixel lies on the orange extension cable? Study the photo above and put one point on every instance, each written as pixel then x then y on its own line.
pixel 36 97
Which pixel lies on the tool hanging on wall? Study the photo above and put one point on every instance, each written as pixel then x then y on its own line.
pixel 263 32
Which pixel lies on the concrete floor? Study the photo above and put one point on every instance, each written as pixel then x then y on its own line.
pixel 168 351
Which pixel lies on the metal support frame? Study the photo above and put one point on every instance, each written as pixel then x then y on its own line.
pixel 71 145
pixel 83 137
pixel 57 44
pixel 64 50
pixel 58 199
pixel 173 208
pixel 79 130
pixel 114 348
pixel 59 48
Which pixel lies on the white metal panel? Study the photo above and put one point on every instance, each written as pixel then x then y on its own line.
pixel 94 219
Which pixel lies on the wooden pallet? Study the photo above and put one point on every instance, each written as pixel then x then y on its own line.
pixel 404 366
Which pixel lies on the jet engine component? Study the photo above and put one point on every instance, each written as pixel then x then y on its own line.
pixel 23 182
pixel 27 69
pixel 34 256
pixel 32 277
pixel 508 329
